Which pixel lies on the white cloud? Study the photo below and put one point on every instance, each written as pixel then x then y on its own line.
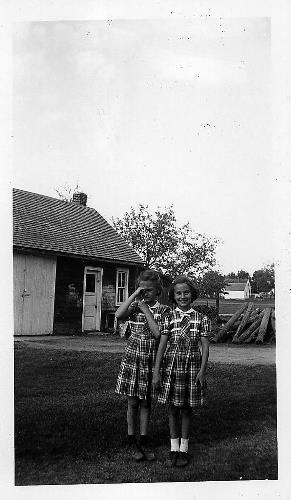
pixel 90 63
pixel 185 67
pixel 56 116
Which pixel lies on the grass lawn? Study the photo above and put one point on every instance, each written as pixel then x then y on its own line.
pixel 70 426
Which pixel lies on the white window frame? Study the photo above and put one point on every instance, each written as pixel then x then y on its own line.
pixel 126 271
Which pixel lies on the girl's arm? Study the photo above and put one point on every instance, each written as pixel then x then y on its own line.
pixel 150 319
pixel 159 357
pixel 122 311
pixel 205 328
pixel 205 354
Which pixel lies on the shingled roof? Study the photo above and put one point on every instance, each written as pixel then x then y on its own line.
pixel 235 287
pixel 48 224
pixel 237 280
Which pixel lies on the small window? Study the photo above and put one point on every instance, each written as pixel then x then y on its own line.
pixel 121 285
pixel 90 282
pixel 120 295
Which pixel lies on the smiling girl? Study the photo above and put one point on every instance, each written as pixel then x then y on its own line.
pixel 182 380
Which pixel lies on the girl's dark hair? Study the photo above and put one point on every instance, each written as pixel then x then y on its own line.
pixel 150 275
pixel 183 279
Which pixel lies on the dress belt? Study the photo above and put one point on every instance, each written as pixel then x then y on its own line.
pixel 183 343
pixel 141 336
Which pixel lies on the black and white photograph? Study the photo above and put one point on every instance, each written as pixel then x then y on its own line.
pixel 143 203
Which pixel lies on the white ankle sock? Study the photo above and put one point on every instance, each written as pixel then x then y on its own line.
pixel 175 444
pixel 184 445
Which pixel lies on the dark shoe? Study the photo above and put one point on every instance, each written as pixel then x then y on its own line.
pixel 149 455
pixel 146 446
pixel 173 457
pixel 183 459
pixel 138 454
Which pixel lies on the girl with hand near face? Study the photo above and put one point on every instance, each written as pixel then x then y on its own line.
pixel 145 316
pixel 181 383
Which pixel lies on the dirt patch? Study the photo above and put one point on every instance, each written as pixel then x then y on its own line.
pixel 219 353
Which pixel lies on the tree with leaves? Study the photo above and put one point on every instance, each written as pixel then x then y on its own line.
pixel 164 246
pixel 66 192
pixel 263 280
pixel 239 275
pixel 231 276
pixel 213 285
pixel 243 274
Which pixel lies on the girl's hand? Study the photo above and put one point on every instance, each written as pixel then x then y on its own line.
pixel 138 293
pixel 200 377
pixel 142 306
pixel 156 380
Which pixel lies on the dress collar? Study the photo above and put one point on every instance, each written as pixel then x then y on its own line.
pixel 154 306
pixel 184 313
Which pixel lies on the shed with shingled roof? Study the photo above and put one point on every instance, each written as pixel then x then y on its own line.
pixel 71 268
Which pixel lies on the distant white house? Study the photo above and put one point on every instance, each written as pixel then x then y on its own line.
pixel 238 290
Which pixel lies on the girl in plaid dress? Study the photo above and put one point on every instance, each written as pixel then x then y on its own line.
pixel 145 319
pixel 182 381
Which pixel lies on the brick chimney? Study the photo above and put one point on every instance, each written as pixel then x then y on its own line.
pixel 80 198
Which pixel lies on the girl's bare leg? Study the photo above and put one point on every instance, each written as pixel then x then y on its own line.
pixel 145 409
pixel 174 414
pixel 186 421
pixel 174 421
pixel 132 412
pixel 183 459
pixel 144 416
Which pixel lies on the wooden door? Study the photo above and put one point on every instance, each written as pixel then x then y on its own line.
pixel 92 299
pixel 34 294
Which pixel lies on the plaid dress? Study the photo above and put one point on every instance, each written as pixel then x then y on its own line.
pixel 136 369
pixel 182 359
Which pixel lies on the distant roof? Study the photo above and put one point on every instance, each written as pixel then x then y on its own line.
pixel 45 223
pixel 235 287
pixel 237 280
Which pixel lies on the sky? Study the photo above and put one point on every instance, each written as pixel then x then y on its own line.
pixel 159 112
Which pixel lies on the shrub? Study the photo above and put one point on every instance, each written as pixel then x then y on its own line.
pixel 208 311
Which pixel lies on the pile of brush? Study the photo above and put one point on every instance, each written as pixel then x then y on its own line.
pixel 249 324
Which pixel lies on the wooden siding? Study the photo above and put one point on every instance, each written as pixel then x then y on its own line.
pixel 235 294
pixel 34 289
